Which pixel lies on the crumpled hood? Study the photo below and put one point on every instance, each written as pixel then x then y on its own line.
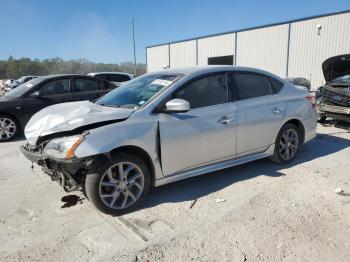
pixel 69 116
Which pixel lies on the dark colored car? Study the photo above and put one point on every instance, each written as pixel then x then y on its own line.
pixel 18 105
pixel 299 81
pixel 333 99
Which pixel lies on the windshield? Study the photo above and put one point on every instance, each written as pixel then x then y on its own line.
pixel 138 91
pixel 23 88
pixel 345 78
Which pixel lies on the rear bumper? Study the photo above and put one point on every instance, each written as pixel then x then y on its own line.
pixel 310 125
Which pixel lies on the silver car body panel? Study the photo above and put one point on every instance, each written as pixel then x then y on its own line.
pixel 68 116
pixel 198 141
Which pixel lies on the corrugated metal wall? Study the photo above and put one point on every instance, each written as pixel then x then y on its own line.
pixel 308 49
pixel 221 45
pixel 183 54
pixel 157 57
pixel 264 48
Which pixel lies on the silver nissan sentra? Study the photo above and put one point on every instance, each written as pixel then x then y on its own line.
pixel 167 126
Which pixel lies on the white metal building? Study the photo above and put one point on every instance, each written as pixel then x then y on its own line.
pixel 294 48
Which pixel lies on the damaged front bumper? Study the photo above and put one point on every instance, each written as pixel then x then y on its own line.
pixel 336 112
pixel 69 173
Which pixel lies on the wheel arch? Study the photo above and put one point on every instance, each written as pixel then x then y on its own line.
pixel 15 118
pixel 300 127
pixel 139 152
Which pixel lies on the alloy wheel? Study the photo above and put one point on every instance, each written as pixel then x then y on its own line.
pixel 289 144
pixel 121 185
pixel 7 128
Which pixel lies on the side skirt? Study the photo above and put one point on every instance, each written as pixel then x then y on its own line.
pixel 214 167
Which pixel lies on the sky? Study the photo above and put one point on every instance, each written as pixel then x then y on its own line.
pixel 100 31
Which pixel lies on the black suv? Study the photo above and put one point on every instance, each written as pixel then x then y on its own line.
pixel 18 105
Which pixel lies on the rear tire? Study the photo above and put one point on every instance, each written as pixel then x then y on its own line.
pixel 119 186
pixel 9 128
pixel 287 144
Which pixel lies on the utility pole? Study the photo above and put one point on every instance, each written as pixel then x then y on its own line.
pixel 133 40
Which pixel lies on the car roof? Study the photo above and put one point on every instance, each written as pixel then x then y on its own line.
pixel 62 75
pixel 121 73
pixel 209 69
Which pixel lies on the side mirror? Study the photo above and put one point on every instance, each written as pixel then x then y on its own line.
pixel 177 106
pixel 35 94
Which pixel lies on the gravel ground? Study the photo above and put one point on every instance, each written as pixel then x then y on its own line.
pixel 269 213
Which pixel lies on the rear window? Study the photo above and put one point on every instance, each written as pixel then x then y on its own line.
pixel 276 85
pixel 101 76
pixel 123 78
pixel 85 85
pixel 250 85
pixel 113 77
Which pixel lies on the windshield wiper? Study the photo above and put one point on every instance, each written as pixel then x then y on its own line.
pixel 108 105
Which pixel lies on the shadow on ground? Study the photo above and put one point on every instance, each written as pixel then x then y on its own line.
pixel 197 187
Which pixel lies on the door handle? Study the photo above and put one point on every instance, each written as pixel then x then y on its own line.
pixel 277 110
pixel 226 120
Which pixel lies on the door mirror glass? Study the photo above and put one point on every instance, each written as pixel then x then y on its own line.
pixel 35 94
pixel 177 106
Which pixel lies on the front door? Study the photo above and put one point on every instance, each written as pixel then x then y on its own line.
pixel 52 92
pixel 206 134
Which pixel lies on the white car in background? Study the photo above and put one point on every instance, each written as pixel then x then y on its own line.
pixel 116 77
pixel 21 80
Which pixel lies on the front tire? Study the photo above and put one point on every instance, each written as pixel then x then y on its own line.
pixel 9 128
pixel 287 144
pixel 118 186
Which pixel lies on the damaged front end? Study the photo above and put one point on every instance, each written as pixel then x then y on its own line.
pixel 54 133
pixel 334 100
pixel 68 172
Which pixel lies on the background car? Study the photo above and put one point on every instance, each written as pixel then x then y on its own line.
pixel 21 80
pixel 116 77
pixel 333 98
pixel 299 81
pixel 18 105
pixel 167 126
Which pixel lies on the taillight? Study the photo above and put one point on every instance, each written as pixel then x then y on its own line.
pixel 312 99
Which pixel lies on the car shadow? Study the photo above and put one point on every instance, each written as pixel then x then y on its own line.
pixel 197 187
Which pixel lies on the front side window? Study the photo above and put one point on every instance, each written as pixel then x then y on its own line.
pixel 250 85
pixel 85 85
pixel 138 91
pixel 55 87
pixel 207 91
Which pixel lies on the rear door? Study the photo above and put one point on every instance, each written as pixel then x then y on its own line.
pixel 206 134
pixel 114 78
pixel 85 89
pixel 260 111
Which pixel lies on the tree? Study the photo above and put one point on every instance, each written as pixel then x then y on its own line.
pixel 15 68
